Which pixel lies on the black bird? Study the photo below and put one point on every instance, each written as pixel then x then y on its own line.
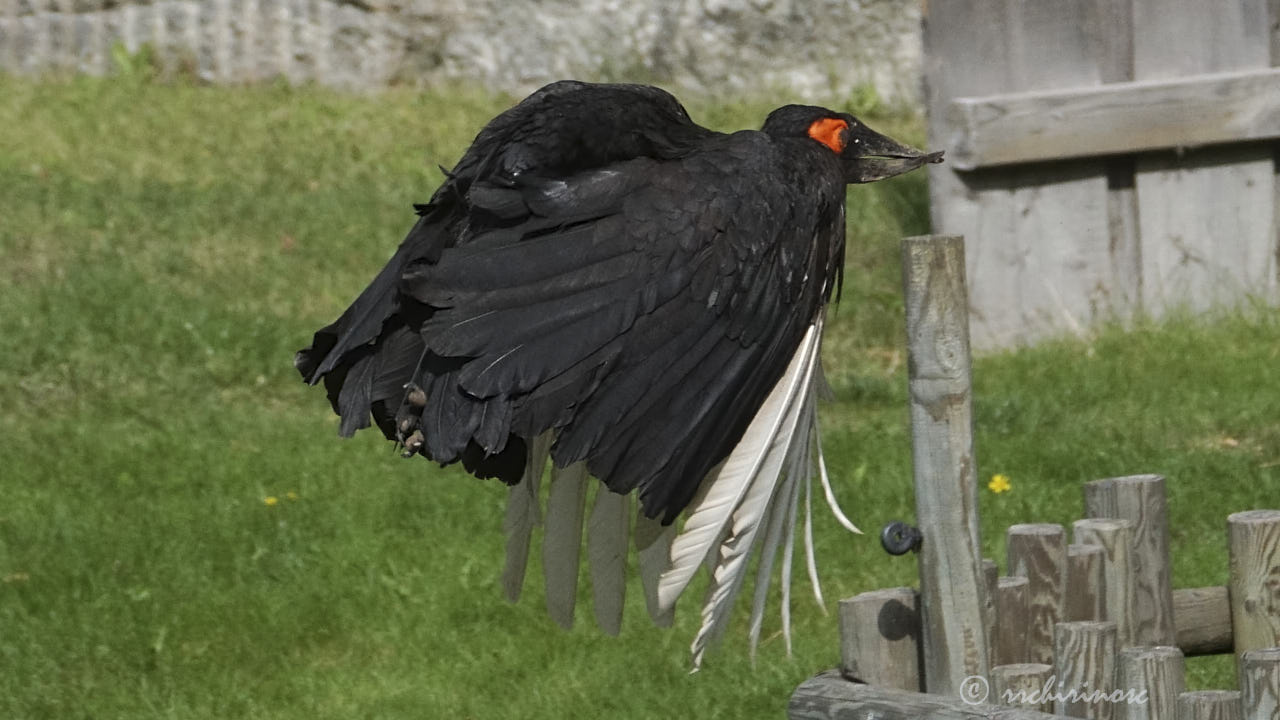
pixel 602 280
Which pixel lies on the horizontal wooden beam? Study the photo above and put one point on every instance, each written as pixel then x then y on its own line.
pixel 1113 119
pixel 829 696
pixel 1202 619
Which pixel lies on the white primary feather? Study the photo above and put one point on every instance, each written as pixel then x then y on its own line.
pixel 562 541
pixel 719 496
pixel 810 558
pixel 779 525
pixel 764 452
pixel 811 419
pixel 788 554
pixel 653 554
pixel 607 533
pixel 831 496
pixel 523 512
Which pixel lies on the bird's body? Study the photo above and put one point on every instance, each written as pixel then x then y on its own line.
pixel 602 279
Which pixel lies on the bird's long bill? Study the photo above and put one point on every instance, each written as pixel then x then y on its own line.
pixel 879 157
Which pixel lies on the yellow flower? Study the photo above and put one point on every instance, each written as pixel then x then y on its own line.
pixel 999 484
pixel 291 495
pixel 270 500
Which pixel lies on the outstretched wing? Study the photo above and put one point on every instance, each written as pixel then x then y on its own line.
pixel 600 275
pixel 564 128
pixel 641 312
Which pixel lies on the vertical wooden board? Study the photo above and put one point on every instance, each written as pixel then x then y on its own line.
pixel 1040 254
pixel 943 466
pixel 990 585
pixel 1206 217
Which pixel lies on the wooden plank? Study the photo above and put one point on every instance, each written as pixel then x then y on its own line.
pixel 879 638
pixel 830 697
pixel 990 585
pixel 1038 552
pixel 1023 685
pixel 946 486
pixel 1013 617
pixel 1260 684
pixel 1151 678
pixel 1041 255
pixel 1086 595
pixel 1120 118
pixel 1202 620
pixel 1084 663
pixel 1141 498
pixel 1115 537
pixel 1254 546
pixel 1209 705
pixel 1206 217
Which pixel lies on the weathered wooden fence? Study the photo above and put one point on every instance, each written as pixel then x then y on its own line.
pixel 1084 623
pixel 1105 157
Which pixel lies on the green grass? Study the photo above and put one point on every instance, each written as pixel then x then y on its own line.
pixel 164 249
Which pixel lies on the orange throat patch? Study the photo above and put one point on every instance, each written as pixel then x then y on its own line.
pixel 829 132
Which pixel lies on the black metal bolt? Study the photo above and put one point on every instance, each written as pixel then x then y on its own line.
pixel 899 538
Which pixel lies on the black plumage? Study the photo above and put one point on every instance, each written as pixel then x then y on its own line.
pixel 598 266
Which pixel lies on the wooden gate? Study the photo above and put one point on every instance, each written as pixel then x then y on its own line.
pixel 1105 157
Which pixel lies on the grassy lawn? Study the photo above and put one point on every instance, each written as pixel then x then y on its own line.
pixel 164 249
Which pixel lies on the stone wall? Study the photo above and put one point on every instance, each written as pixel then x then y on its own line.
pixel 818 49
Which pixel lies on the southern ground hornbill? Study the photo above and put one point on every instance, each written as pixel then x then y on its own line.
pixel 605 283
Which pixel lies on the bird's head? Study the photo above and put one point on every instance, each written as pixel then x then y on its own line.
pixel 865 155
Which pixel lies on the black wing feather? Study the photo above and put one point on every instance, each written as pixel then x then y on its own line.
pixel 638 292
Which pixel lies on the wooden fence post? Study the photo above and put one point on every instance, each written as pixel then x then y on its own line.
pixel 1039 553
pixel 1084 662
pixel 946 488
pixel 990 586
pixel 1260 684
pixel 1013 617
pixel 1155 672
pixel 1022 685
pixel 1209 705
pixel 1141 498
pixel 1254 545
pixel 1086 594
pixel 879 638
pixel 1115 537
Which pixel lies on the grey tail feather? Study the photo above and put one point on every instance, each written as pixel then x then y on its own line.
pixel 607 533
pixel 562 540
pixel 523 512
pixel 653 553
